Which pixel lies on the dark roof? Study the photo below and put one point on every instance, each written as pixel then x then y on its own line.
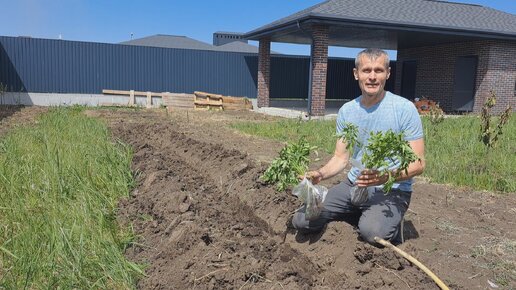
pixel 431 14
pixel 239 46
pixel 229 32
pixel 170 41
pixel 174 41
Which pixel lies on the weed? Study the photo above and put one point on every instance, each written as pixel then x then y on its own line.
pixel 436 114
pixel 3 89
pixel 499 255
pixel 447 227
pixel 488 134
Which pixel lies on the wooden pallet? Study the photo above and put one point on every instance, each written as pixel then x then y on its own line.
pixel 207 101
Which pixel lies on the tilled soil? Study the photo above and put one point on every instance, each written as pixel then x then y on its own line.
pixel 205 221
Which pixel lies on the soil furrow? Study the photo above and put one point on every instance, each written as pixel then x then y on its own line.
pixel 230 180
pixel 189 222
pixel 465 237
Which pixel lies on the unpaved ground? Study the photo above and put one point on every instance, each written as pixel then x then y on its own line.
pixel 205 221
pixel 12 116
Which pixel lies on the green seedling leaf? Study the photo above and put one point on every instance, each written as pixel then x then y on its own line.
pixel 292 161
pixel 350 135
pixel 384 147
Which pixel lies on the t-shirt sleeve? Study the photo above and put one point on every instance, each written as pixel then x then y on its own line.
pixel 341 121
pixel 411 123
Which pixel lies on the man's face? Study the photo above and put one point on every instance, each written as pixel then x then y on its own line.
pixel 372 75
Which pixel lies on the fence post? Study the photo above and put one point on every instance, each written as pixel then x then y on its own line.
pixel 131 98
pixel 149 100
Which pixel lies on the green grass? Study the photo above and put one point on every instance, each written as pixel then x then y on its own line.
pixel 454 155
pixel 317 133
pixel 60 181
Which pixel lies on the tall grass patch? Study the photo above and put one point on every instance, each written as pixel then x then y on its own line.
pixel 59 185
pixel 454 152
pixel 456 155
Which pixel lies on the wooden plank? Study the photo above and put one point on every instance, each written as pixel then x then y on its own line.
pixel 236 107
pixel 236 103
pixel 178 100
pixel 236 100
pixel 206 108
pixel 181 106
pixel 136 93
pixel 208 103
pixel 178 97
pixel 149 100
pixel 132 99
pixel 206 95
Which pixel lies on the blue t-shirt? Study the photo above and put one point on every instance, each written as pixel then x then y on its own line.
pixel 392 112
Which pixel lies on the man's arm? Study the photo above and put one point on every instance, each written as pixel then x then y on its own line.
pixel 371 178
pixel 334 166
pixel 417 167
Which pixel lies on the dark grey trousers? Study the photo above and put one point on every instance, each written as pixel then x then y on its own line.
pixel 380 216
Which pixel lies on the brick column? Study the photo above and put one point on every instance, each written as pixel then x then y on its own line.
pixel 264 71
pixel 497 73
pixel 319 68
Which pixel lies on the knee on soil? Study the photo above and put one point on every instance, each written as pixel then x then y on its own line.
pixel 369 231
pixel 300 223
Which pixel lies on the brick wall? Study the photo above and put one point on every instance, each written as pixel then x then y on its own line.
pixel 319 68
pixel 499 77
pixel 264 72
pixel 496 70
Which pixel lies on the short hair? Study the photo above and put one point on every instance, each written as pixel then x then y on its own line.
pixel 372 53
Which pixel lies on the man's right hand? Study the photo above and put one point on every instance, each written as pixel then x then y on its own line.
pixel 314 176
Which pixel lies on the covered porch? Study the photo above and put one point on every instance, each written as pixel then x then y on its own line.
pixel 408 27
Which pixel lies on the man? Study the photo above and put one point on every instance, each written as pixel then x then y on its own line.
pixel 375 110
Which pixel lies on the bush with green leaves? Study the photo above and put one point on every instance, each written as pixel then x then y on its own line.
pixel 292 162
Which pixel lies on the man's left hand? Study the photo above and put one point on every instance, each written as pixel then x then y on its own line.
pixel 371 177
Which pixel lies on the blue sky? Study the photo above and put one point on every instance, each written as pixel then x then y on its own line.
pixel 113 21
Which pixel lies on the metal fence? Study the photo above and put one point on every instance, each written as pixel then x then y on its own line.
pixel 59 66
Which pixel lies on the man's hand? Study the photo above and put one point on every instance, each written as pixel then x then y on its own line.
pixel 314 176
pixel 371 177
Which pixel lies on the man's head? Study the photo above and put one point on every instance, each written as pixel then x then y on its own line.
pixel 372 71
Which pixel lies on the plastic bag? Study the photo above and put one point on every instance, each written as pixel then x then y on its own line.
pixel 312 196
pixel 359 195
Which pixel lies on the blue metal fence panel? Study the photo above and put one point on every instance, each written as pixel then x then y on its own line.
pixel 289 76
pixel 340 82
pixel 57 66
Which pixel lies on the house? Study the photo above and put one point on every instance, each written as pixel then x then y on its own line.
pixel 453 53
